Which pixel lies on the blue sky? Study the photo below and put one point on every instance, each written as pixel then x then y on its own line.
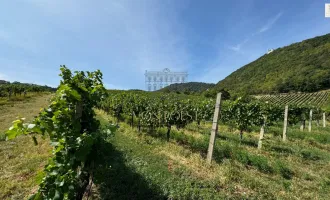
pixel 209 39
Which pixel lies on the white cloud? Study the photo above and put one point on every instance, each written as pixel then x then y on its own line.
pixel 238 47
pixel 270 23
pixel 264 28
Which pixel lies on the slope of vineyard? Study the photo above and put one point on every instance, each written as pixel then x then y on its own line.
pixel 299 67
pixel 317 99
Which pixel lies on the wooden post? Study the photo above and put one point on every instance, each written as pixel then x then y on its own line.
pixel 302 125
pixel 285 126
pixel 261 136
pixel 310 120
pixel 214 128
pixel 324 120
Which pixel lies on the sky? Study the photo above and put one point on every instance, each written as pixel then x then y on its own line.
pixel 208 39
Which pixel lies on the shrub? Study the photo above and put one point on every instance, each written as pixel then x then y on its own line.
pixel 261 163
pixel 222 151
pixel 282 149
pixel 285 171
pixel 2 137
pixel 308 177
pixel 310 155
pixel 287 185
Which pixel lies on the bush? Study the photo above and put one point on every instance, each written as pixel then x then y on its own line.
pixel 261 163
pixel 308 177
pixel 2 137
pixel 310 155
pixel 285 171
pixel 287 185
pixel 282 149
pixel 223 151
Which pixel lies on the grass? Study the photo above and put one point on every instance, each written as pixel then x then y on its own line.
pixel 14 99
pixel 21 162
pixel 177 169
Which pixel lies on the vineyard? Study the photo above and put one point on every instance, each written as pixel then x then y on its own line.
pixel 318 99
pixel 167 110
pixel 186 122
pixel 159 150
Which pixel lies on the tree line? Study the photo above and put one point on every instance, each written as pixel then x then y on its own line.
pixel 8 89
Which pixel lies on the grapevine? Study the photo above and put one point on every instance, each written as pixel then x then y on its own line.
pixel 70 123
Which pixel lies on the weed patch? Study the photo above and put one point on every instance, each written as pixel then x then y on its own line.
pixel 310 155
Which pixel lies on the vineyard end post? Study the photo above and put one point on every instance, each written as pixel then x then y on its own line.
pixel 285 125
pixel 310 120
pixel 324 120
pixel 261 136
pixel 302 125
pixel 214 128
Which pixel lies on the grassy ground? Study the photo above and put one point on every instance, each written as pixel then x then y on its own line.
pixel 14 99
pixel 21 161
pixel 145 166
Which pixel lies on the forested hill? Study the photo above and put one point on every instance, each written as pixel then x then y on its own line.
pixel 6 88
pixel 302 66
pixel 188 87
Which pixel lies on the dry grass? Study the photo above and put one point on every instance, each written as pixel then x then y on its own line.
pixel 21 162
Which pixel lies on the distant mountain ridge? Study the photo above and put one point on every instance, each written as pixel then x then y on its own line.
pixel 190 87
pixel 299 67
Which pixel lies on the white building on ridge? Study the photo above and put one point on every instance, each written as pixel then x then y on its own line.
pixel 270 51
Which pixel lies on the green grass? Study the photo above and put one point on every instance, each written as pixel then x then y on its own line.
pixel 20 98
pixel 145 166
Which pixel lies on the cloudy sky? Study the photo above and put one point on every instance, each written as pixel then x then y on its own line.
pixel 209 39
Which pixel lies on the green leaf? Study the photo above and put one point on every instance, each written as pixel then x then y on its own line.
pixel 11 133
pixel 36 196
pixel 57 195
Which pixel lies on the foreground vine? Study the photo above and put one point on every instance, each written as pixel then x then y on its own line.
pixel 70 123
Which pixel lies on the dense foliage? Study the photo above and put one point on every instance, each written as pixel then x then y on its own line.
pixel 70 123
pixel 8 89
pixel 303 66
pixel 153 110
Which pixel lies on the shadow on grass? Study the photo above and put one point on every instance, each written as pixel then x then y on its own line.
pixel 245 141
pixel 115 180
pixel 221 151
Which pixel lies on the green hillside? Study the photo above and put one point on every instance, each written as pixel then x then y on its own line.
pixel 188 87
pixel 302 66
